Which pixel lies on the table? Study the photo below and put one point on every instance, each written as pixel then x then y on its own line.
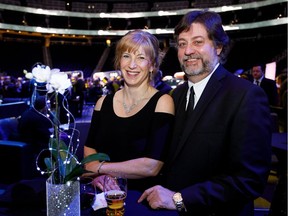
pixel 133 208
pixel 279 148
pixel 32 203
pixel 279 141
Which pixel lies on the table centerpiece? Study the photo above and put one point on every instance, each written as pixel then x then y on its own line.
pixel 62 165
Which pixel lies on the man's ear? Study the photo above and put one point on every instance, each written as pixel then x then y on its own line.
pixel 219 49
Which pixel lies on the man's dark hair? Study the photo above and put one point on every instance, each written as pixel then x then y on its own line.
pixel 213 24
pixel 262 66
pixel 40 102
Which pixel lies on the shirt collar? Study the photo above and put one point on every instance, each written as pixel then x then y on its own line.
pixel 199 86
pixel 260 79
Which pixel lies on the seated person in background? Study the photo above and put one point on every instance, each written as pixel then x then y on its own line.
pixel 78 95
pixel 95 92
pixel 63 100
pixel 269 86
pixel 132 125
pixel 160 84
pixel 34 126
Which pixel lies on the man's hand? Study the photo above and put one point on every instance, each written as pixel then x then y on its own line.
pixel 158 197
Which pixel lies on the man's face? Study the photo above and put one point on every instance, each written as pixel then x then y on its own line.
pixel 257 72
pixel 196 52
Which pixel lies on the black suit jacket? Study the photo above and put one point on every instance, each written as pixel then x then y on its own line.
pixel 270 88
pixel 220 160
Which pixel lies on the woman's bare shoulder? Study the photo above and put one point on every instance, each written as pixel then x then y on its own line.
pixel 165 104
pixel 99 103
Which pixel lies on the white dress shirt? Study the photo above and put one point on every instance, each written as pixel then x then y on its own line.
pixel 198 87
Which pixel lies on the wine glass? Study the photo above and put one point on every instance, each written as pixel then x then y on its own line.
pixel 115 192
pixel 87 193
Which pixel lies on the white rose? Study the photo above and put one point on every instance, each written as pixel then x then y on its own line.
pixel 29 75
pixel 59 81
pixel 41 74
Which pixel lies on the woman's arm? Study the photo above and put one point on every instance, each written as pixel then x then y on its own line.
pixel 134 169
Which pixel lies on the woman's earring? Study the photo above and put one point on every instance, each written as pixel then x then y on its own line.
pixel 151 75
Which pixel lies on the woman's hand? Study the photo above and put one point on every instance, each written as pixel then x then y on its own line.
pixel 99 182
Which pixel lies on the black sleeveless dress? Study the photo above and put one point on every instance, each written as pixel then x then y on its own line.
pixel 145 134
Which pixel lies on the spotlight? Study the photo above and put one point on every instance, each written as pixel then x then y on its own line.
pixel 108 42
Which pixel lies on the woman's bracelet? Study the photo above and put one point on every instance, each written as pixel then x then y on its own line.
pixel 99 168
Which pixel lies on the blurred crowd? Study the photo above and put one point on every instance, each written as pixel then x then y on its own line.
pixel 84 90
pixel 90 89
pixel 19 87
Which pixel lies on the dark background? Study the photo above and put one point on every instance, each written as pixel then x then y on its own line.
pixel 18 52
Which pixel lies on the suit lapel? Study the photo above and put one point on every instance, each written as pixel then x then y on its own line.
pixel 180 104
pixel 208 94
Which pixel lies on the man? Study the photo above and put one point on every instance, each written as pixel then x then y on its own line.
pixel 78 96
pixel 219 159
pixel 269 86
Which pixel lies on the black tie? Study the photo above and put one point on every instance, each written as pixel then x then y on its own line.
pixel 190 106
pixel 257 82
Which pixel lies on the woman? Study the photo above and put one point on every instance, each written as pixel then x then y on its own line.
pixel 132 126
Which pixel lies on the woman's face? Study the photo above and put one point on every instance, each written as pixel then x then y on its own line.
pixel 135 67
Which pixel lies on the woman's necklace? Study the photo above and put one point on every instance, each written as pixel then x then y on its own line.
pixel 127 108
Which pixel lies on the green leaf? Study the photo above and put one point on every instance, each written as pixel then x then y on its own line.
pixel 95 157
pixel 79 170
pixel 73 169
pixel 76 172
pixel 48 163
pixel 71 165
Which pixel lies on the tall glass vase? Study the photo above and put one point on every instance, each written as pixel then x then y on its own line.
pixel 63 199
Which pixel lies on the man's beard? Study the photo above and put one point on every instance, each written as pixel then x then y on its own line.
pixel 206 68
